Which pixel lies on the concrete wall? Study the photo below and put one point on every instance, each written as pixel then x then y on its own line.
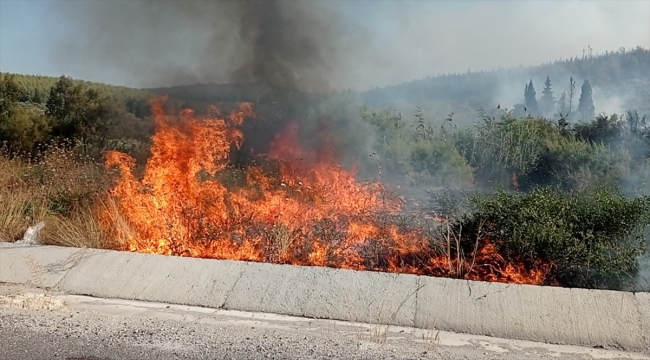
pixel 548 314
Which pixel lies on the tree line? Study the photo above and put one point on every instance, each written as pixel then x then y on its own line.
pixel 564 108
pixel 81 114
pixel 621 73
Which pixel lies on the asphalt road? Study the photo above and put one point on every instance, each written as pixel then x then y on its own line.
pixel 47 326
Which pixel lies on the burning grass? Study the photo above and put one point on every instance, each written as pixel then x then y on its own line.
pixel 297 206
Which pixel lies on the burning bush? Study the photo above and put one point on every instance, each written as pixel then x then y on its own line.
pixel 592 238
pixel 292 205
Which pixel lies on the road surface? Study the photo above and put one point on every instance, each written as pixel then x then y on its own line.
pixel 37 325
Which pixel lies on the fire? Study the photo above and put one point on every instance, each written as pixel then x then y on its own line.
pixel 295 206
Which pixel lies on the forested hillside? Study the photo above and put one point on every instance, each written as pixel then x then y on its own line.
pixel 620 80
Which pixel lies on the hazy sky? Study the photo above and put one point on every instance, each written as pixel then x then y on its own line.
pixel 403 40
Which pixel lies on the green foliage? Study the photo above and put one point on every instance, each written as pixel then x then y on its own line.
pixel 392 143
pixel 603 129
pixel 438 162
pixel 547 102
pixel 573 164
pixel 9 95
pixel 497 150
pixel 27 128
pixel 76 112
pixel 36 88
pixel 592 237
pixel 37 109
pixel 530 99
pixel 586 102
pixel 22 126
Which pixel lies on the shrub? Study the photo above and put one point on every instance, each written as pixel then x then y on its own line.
pixel 439 163
pixel 499 149
pixel 592 237
pixel 574 164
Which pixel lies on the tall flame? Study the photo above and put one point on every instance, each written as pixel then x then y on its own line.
pixel 296 207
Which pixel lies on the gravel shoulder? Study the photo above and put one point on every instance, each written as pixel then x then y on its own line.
pixel 37 325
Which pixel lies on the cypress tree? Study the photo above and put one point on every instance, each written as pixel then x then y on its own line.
pixel 530 100
pixel 586 102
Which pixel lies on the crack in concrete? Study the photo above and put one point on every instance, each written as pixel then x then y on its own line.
pixel 418 287
pixel 645 333
pixel 232 289
pixel 59 267
pixel 492 292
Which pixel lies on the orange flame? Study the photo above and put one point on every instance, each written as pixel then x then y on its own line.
pixel 299 208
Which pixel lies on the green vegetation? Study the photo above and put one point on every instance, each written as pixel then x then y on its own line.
pixel 97 117
pixel 592 237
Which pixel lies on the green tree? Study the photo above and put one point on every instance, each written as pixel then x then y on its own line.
pixel 9 96
pixel 75 112
pixel 547 101
pixel 593 237
pixel 27 127
pixel 530 99
pixel 586 102
pixel 22 126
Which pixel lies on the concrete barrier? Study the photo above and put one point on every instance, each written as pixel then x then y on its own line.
pixel 38 266
pixel 546 314
pixel 326 293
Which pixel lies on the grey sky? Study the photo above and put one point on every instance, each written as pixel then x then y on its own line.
pixel 390 41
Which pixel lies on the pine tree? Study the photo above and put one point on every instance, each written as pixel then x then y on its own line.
pixel 586 102
pixel 547 101
pixel 530 100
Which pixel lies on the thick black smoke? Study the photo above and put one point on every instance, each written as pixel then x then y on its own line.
pixel 290 51
pixel 290 46
pixel 295 45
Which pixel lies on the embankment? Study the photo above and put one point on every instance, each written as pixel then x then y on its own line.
pixel 547 314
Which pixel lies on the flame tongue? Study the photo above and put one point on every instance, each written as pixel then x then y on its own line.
pixel 305 210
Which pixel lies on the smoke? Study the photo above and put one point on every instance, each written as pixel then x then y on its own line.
pixel 287 46
pixel 321 45
pixel 295 45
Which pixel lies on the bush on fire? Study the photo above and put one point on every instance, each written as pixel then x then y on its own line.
pixel 593 237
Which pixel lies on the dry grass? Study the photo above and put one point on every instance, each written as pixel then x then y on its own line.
pixel 281 238
pixel 18 211
pixel 81 229
pixel 60 188
pixel 431 339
